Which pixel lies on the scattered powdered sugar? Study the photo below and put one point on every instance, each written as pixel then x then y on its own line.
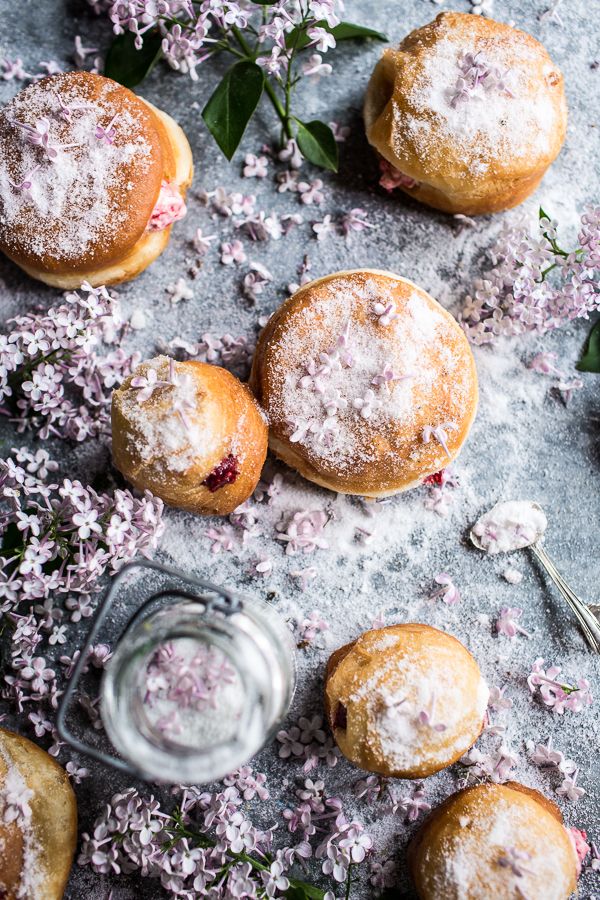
pixel 68 164
pixel 358 361
pixel 502 848
pixel 509 526
pixel 163 406
pixel 481 96
pixel 15 810
pixel 419 710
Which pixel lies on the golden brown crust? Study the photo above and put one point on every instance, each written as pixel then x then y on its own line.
pixel 474 827
pixel 53 823
pixel 384 679
pixel 155 451
pixel 386 453
pixel 111 243
pixel 484 154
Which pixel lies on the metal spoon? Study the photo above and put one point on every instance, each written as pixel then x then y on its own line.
pixel 502 530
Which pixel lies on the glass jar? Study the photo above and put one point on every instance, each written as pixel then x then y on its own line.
pixel 194 688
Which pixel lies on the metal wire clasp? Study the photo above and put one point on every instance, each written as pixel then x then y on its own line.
pixel 174 585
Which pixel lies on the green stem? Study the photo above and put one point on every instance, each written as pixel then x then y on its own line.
pixel 348 882
pixel 179 830
pixel 269 90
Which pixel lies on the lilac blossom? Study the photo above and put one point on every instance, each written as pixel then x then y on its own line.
pixel 497 766
pixel 507 622
pixel 53 378
pixel 324 228
pixel 307 742
pixel 533 284
pixel 558 695
pixel 440 433
pixel 72 525
pixel 569 789
pixel 448 592
pixel 311 192
pixel 304 532
pixel 233 252
pixel 310 627
pixel 255 166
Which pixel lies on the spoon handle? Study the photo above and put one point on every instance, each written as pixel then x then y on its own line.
pixel 588 622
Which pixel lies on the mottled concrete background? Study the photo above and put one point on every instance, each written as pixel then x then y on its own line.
pixel 526 442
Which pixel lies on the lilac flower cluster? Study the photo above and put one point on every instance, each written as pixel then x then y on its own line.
pixel 546 757
pixel 59 538
pixel 192 34
pixel 533 284
pixel 555 693
pixel 178 682
pixel 496 766
pixel 233 353
pixel 477 78
pixel 52 378
pixel 209 847
pixel 308 741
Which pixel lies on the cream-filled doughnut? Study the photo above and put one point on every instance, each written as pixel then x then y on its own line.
pixel 368 383
pixel 190 433
pixel 467 114
pixel 501 841
pixel 404 701
pixel 92 178
pixel 38 821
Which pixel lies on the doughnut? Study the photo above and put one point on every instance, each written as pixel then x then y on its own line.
pixel 466 115
pixel 190 433
pixel 91 180
pixel 505 841
pixel 38 821
pixel 368 383
pixel 404 701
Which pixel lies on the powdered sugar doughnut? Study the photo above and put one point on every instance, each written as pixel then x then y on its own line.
pixel 91 180
pixel 368 383
pixel 190 433
pixel 405 700
pixel 494 840
pixel 38 821
pixel 467 114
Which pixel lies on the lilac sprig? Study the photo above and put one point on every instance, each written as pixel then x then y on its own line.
pixel 209 847
pixel 556 694
pixel 60 537
pixel 265 42
pixel 535 285
pixel 53 380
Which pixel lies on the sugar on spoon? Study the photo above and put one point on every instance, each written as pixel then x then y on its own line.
pixel 517 524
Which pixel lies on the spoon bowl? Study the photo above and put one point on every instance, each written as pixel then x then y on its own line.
pixel 521 524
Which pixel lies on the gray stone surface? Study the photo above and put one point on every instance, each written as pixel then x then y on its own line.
pixel 526 443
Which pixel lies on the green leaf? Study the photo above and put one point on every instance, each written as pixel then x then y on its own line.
pixel 345 31
pixel 590 360
pixel 300 890
pixel 317 144
pixel 129 66
pixel 232 105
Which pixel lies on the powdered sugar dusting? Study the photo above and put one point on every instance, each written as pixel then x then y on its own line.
pixel 501 848
pixel 509 113
pixel 80 173
pixel 360 370
pixel 16 811
pixel 418 709
pixel 168 423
